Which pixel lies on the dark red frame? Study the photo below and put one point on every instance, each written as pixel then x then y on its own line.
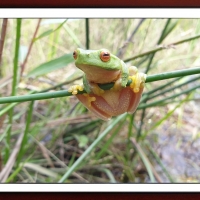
pixel 98 3
pixel 101 196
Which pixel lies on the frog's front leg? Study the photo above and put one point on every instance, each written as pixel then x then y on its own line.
pixel 92 87
pixel 121 82
pixel 95 104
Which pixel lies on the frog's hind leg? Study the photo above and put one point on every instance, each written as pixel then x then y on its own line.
pixel 124 100
pixel 92 103
pixel 135 100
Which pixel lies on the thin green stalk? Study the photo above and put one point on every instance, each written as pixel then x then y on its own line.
pixel 177 101
pixel 168 29
pixel 15 70
pixel 5 132
pixel 146 71
pixel 163 47
pixel 8 107
pixel 91 147
pixel 87 32
pixel 162 36
pixel 17 170
pixel 14 84
pixel 159 41
pixel 173 74
pixel 144 110
pixel 141 123
pixel 163 86
pixel 25 136
pixel 130 133
pixel 155 103
pixel 141 61
pixel 145 53
pixel 173 88
pixel 63 93
pixel 164 31
pixel 148 95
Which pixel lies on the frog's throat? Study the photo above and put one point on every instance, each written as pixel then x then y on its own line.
pixel 99 75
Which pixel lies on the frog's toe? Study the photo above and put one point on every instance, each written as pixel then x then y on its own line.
pixel 138 81
pixel 137 86
pixel 75 88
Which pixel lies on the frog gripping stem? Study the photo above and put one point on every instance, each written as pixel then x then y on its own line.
pixel 113 102
pixel 101 67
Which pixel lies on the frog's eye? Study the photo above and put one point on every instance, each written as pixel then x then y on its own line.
pixel 75 55
pixel 105 56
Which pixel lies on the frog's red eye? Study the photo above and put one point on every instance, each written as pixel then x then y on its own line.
pixel 105 56
pixel 75 55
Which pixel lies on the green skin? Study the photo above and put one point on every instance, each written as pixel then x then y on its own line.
pixel 96 71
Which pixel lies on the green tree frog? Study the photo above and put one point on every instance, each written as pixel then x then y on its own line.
pixel 100 67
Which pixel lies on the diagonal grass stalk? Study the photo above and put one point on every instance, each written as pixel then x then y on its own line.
pixel 73 36
pixel 109 141
pixel 144 158
pixel 91 147
pixel 122 50
pixel 162 48
pixel 30 47
pixel 159 162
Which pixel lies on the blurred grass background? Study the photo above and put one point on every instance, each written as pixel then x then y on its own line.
pixel 159 143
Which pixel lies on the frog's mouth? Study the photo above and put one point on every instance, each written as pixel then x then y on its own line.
pixel 99 75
